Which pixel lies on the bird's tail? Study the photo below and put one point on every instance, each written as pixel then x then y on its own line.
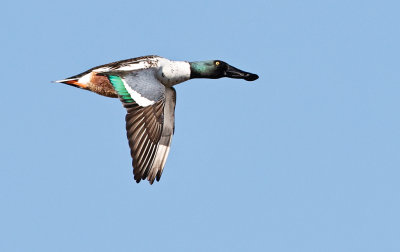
pixel 72 82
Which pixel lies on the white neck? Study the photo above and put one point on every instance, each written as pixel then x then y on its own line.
pixel 174 72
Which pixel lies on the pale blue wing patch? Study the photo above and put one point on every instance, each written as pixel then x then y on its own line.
pixel 145 83
pixel 142 86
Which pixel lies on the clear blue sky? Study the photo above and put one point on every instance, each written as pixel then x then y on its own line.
pixel 304 159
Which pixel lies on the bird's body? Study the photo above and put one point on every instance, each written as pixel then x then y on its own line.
pixel 145 87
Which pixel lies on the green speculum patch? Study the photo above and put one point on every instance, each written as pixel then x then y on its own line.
pixel 118 85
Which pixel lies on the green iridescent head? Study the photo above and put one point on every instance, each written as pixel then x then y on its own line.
pixel 214 69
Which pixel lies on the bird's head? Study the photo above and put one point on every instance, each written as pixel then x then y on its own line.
pixel 214 69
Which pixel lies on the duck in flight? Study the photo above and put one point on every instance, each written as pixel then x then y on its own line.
pixel 145 87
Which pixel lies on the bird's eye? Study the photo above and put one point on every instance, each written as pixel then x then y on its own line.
pixel 217 63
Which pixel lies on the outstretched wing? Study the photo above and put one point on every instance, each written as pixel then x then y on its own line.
pixel 149 120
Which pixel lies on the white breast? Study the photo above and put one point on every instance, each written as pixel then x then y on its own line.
pixel 173 72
